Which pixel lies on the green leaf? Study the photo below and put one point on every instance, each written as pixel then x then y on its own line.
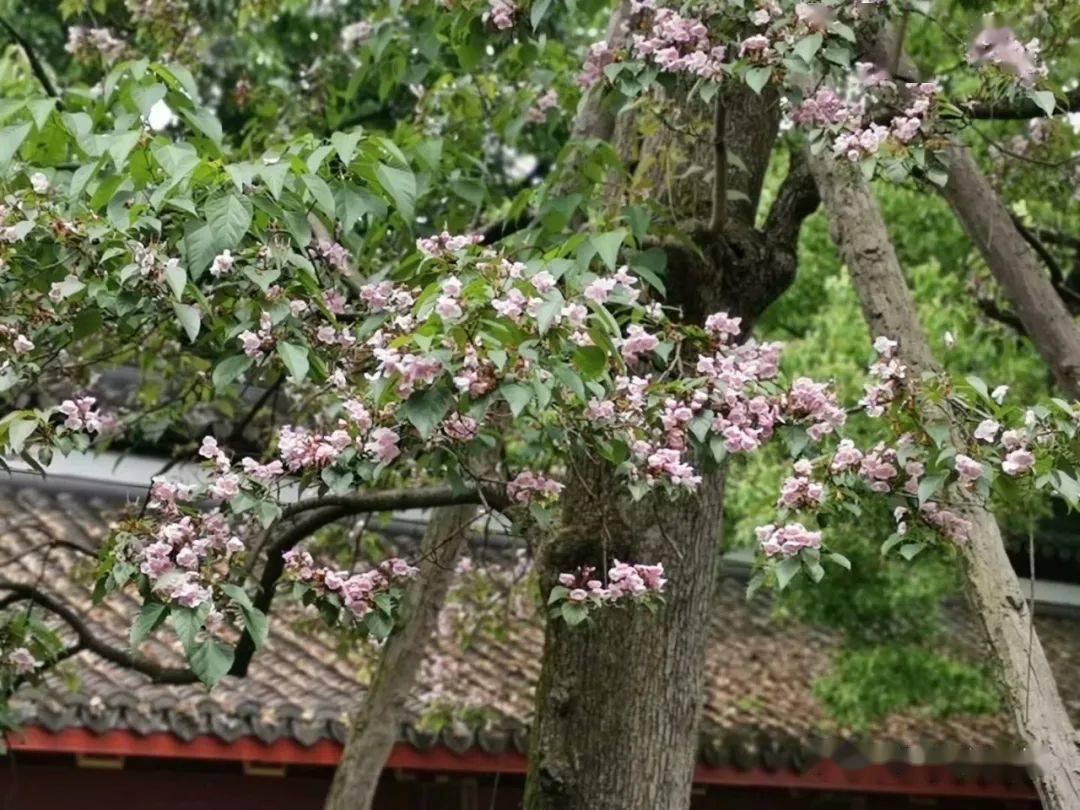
pixel 756 78
pixel 518 396
pixel 537 12
pixel 807 47
pixel 400 184
pixel 1044 100
pixel 149 619
pixel 786 571
pixel 839 559
pixel 426 409
pixel 344 144
pixel 295 359
pixel 187 622
pixel 19 430
pixel 574 613
pixel 200 247
pixel 11 139
pixel 190 319
pixel 211 661
pixel 930 486
pixel 558 593
pixel 176 278
pixel 255 621
pixel 205 122
pixel 909 550
pixel 229 218
pixel 120 145
pixel 230 368
pixel 607 246
pixel 274 175
pixel 324 197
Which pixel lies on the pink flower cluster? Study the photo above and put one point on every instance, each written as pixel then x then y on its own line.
pixel 891 373
pixel 528 486
pixel 1001 48
pixel 443 245
pixel 624 581
pixel 1018 458
pixel 799 491
pixel 357 592
pixel 676 43
pixel 812 403
pixel 255 343
pixel 600 55
pixel 22 661
pixel 82 415
pixel 948 523
pixel 865 140
pixel 786 541
pixel 180 560
pixel 548 100
pixel 501 13
pixel 822 109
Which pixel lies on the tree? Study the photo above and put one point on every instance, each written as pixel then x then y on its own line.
pixel 340 295
pixel 1026 678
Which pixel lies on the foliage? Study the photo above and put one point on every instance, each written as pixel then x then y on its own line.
pixel 226 199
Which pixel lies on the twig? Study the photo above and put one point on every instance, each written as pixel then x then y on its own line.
pixel 35 63
pixel 90 641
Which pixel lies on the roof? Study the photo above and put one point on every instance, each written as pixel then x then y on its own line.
pixel 759 709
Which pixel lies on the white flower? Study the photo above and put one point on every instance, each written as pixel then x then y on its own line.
pixel 39 182
pixel 998 394
pixel 950 340
pixel 159 116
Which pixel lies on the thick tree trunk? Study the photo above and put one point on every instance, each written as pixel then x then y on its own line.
pixel 1016 268
pixel 375 725
pixel 618 699
pixel 859 232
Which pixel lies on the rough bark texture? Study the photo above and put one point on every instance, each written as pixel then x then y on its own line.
pixel 375 725
pixel 619 699
pixel 1016 268
pixel 859 232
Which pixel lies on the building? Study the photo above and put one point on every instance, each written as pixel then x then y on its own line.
pixel 109 737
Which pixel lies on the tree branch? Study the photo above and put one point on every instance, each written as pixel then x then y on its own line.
pixel 1018 110
pixel 797 199
pixel 390 499
pixel 719 191
pixel 320 512
pixel 35 63
pixel 89 641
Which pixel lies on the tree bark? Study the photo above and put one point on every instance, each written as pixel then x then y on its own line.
pixel 374 729
pixel 1016 267
pixel 859 232
pixel 618 699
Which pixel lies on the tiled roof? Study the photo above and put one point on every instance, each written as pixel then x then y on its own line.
pixel 759 708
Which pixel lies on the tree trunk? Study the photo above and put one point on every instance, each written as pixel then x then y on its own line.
pixel 374 729
pixel 619 698
pixel 1016 267
pixel 859 232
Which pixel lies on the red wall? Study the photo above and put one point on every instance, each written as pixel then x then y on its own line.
pixel 36 782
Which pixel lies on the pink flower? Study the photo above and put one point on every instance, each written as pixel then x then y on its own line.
pixel 383 445
pixel 23 661
pixel 987 431
pixel 22 344
pixel 1018 462
pixel 967 468
pixel 637 343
